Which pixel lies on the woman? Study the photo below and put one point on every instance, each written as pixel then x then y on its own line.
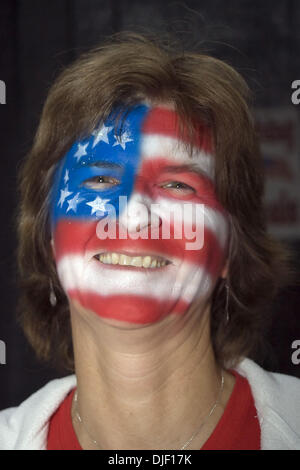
pixel 144 261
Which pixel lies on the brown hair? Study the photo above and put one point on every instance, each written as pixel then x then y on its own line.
pixel 125 70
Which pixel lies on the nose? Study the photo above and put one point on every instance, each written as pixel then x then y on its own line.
pixel 136 214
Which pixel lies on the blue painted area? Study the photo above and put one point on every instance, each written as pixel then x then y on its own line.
pixel 103 154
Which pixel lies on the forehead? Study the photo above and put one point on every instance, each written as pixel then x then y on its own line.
pixel 144 133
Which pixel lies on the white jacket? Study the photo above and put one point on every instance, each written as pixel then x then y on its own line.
pixel 276 396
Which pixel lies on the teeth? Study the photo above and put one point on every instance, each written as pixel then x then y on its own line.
pixel 114 258
pixel 137 261
pixel 146 261
pixel 123 260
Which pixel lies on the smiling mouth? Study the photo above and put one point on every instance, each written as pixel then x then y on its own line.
pixel 120 259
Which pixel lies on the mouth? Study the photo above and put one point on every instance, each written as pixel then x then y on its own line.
pixel 146 261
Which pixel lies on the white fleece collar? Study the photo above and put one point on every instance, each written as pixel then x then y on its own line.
pixel 276 398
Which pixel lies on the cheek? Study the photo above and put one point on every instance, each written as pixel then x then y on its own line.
pixel 73 241
pixel 215 241
pixel 198 233
pixel 210 256
pixel 72 236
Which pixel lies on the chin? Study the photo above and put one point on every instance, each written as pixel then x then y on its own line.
pixel 126 312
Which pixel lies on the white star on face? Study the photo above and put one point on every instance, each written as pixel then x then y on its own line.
pixel 81 151
pixel 64 193
pixel 66 177
pixel 101 134
pixel 73 203
pixel 122 140
pixel 98 204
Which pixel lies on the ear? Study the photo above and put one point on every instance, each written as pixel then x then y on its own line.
pixel 52 247
pixel 224 271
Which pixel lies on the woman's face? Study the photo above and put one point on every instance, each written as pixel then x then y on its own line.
pixel 137 230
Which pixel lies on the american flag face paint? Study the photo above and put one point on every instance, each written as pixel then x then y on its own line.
pixel 143 276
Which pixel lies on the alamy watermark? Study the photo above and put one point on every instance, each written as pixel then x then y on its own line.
pixel 2 352
pixel 296 354
pixel 296 94
pixel 186 220
pixel 2 92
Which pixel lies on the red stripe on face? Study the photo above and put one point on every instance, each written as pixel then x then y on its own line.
pixel 80 238
pixel 128 308
pixel 72 236
pixel 154 173
pixel 165 122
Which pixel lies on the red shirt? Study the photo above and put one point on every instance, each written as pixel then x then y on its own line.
pixel 237 429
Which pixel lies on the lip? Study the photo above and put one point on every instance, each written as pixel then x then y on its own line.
pixel 130 268
pixel 134 254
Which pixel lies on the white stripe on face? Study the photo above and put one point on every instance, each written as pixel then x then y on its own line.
pixel 212 219
pixel 159 146
pixel 182 281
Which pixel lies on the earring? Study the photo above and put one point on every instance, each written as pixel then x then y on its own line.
pixel 52 296
pixel 227 302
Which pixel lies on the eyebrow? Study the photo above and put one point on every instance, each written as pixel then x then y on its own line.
pixel 101 164
pixel 190 167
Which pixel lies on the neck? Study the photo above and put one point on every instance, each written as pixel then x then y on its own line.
pixel 143 388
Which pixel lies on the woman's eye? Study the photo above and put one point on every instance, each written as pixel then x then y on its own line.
pixel 178 186
pixel 100 182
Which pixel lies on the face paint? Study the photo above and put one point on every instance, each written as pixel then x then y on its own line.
pixel 148 165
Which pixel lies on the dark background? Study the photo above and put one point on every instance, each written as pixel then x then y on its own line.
pixel 38 37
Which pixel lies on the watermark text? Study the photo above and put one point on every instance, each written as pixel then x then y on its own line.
pixel 296 354
pixel 296 94
pixel 2 352
pixel 2 92
pixel 175 221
